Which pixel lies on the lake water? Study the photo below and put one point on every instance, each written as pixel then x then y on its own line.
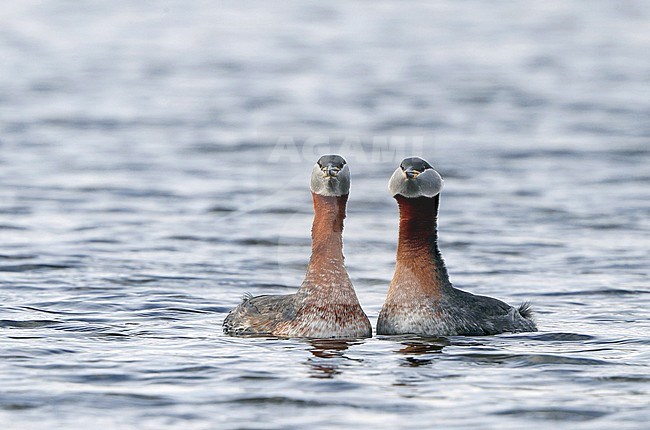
pixel 154 167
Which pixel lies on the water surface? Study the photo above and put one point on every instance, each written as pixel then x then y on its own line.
pixel 142 193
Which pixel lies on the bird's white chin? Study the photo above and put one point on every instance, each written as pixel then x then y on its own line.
pixel 427 184
pixel 332 186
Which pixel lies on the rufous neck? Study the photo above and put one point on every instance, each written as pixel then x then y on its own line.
pixel 418 239
pixel 327 232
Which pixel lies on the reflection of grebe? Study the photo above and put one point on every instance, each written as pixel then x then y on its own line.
pixel 420 352
pixel 329 348
pixel 328 356
pixel 421 299
pixel 423 347
pixel 326 305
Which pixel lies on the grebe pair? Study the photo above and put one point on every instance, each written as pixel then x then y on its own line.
pixel 421 300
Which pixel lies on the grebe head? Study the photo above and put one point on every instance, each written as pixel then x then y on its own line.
pixel 415 178
pixel 330 176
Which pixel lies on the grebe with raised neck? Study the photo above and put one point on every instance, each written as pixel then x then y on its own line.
pixel 421 300
pixel 325 305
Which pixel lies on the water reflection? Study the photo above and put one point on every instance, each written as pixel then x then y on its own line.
pixel 418 351
pixel 329 356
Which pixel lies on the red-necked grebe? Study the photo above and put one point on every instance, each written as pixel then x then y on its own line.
pixel 325 305
pixel 421 300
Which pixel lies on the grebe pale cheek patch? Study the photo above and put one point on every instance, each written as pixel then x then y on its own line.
pixel 330 180
pixel 427 183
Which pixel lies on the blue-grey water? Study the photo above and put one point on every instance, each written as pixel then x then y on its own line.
pixel 154 167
